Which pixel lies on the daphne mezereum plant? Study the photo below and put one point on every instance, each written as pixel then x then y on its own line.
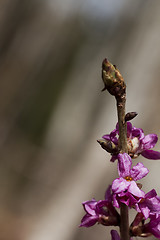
pixel 124 144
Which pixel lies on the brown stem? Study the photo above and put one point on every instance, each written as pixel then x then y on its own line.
pixel 122 124
pixel 124 222
pixel 114 83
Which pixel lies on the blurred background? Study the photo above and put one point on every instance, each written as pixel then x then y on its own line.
pixel 52 109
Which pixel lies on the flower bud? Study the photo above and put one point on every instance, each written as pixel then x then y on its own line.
pixel 130 115
pixel 113 80
pixel 109 146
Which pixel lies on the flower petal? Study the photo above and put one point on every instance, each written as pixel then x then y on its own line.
pixel 151 194
pixel 88 220
pixel 129 130
pixel 124 164
pixel 132 200
pixel 108 195
pixel 151 154
pixel 153 204
pixel 137 132
pixel 154 227
pixel 145 210
pixel 111 137
pixel 102 207
pixel 134 189
pixel 115 235
pixel 115 201
pixel 119 185
pixel 139 171
pixel 126 198
pixel 106 136
pixel 90 206
pixel 113 158
pixel 149 141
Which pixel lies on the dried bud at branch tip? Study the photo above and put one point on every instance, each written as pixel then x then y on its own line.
pixel 113 80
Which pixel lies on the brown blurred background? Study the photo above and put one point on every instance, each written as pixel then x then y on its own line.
pixel 52 109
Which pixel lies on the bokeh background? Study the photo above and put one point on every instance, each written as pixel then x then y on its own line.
pixel 52 109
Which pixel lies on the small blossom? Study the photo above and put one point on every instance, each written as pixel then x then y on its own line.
pixel 124 188
pixel 91 216
pixel 137 142
pixel 102 212
pixel 149 205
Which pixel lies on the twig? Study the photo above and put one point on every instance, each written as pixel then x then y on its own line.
pixel 114 83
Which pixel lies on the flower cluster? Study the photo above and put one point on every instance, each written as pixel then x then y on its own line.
pixel 137 143
pixel 102 211
pixel 125 189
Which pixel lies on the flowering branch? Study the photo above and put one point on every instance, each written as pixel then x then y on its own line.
pixel 125 143
pixel 115 84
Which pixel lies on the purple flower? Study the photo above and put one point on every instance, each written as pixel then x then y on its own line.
pixel 102 212
pixel 153 226
pixel 92 215
pixel 124 188
pixel 149 205
pixel 137 142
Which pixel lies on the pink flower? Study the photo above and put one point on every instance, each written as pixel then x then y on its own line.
pixel 92 215
pixel 150 205
pixel 125 189
pixel 102 212
pixel 137 142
